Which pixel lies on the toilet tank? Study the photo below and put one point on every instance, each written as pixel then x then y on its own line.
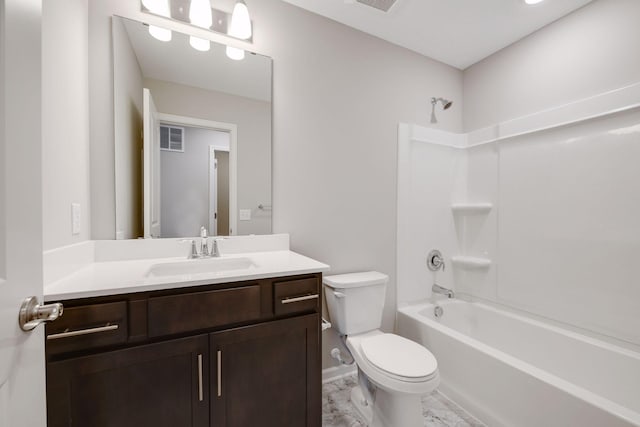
pixel 355 301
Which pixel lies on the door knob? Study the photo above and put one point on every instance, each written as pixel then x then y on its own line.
pixel 32 313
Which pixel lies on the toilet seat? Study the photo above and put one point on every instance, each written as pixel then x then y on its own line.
pixel 399 357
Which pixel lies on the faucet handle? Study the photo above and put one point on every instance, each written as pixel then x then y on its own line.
pixel 215 251
pixel 194 249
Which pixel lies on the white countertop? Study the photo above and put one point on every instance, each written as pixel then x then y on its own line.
pixel 124 276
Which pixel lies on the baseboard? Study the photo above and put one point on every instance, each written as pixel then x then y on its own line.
pixel 337 372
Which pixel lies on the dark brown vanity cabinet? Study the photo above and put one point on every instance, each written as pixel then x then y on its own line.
pixel 236 355
pixel 159 384
pixel 261 375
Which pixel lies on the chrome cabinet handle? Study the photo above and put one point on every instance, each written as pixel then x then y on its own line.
pixel 32 313
pixel 298 299
pixel 200 394
pixel 219 373
pixel 79 332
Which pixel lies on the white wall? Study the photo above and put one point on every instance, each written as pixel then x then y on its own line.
pixel 253 121
pixel 590 51
pixel 184 183
pixel 65 120
pixel 101 119
pixel 127 83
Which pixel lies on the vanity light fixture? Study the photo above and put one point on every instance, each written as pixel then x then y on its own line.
pixel 159 7
pixel 199 13
pixel 239 27
pixel 532 2
pixel 200 16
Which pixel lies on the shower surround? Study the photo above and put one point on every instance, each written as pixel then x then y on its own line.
pixel 539 215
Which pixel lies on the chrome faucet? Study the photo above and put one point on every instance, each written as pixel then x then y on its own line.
pixel 204 244
pixel 443 291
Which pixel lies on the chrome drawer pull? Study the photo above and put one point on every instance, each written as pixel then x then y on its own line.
pixel 82 332
pixel 219 373
pixel 200 396
pixel 298 299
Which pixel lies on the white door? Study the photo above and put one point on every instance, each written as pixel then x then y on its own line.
pixel 151 154
pixel 22 365
pixel 213 192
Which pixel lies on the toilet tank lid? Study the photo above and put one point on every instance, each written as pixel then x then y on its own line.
pixel 355 280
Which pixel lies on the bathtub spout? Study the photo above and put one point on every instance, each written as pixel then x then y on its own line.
pixel 444 291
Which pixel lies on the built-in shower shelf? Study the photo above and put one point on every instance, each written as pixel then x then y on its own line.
pixel 471 208
pixel 470 262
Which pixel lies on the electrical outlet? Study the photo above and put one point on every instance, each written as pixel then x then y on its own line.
pixel 75 218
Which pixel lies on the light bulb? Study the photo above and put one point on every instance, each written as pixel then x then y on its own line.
pixel 153 5
pixel 199 44
pixel 235 53
pixel 240 26
pixel 200 13
pixel 159 7
pixel 159 33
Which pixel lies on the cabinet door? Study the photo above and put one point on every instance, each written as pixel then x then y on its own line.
pixel 162 384
pixel 267 375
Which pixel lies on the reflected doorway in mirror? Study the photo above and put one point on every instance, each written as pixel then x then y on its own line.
pixel 198 185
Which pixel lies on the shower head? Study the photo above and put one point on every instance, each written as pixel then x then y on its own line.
pixel 446 104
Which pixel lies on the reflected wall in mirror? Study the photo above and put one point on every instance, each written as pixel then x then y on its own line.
pixel 192 137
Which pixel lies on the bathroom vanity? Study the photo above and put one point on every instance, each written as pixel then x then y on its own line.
pixel 223 353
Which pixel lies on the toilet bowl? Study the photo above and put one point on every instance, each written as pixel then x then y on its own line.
pixel 393 372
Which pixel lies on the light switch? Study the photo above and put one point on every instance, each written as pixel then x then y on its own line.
pixel 245 214
pixel 75 218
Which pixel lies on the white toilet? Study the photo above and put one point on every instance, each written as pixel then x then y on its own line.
pixel 393 372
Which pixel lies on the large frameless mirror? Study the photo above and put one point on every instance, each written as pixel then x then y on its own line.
pixel 192 136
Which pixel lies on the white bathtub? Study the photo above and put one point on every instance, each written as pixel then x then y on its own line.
pixel 512 371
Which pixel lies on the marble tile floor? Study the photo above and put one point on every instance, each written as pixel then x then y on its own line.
pixel 337 410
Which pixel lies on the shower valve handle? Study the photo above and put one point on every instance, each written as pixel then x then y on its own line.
pixel 435 260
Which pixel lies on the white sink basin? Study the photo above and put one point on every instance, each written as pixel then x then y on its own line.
pixel 199 266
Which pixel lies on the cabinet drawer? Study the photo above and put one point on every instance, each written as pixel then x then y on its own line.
pixel 296 296
pixel 88 326
pixel 175 314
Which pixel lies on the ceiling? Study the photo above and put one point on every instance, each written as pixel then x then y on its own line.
pixel 456 32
